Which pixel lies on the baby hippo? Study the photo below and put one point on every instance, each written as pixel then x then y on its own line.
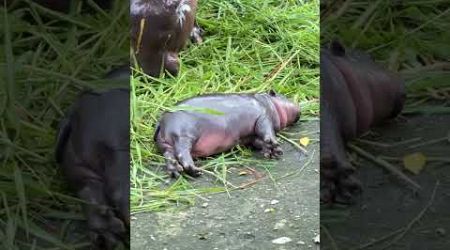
pixel 356 94
pixel 159 30
pixel 248 119
pixel 93 151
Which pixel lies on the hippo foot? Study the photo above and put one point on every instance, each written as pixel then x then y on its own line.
pixel 197 35
pixel 181 164
pixel 103 240
pixel 338 185
pixel 106 230
pixel 269 147
pixel 272 151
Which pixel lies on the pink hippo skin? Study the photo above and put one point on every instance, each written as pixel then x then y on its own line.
pixel 159 30
pixel 356 94
pixel 248 119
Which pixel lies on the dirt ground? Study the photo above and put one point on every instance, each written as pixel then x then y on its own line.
pixel 387 205
pixel 250 218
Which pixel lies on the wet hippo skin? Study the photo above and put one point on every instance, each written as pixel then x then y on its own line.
pixel 159 30
pixel 356 94
pixel 93 152
pixel 248 119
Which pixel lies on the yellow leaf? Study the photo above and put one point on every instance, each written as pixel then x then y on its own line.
pixel 243 173
pixel 415 162
pixel 304 141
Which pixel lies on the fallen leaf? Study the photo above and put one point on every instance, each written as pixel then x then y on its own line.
pixel 414 162
pixel 304 141
pixel 269 210
pixel 243 172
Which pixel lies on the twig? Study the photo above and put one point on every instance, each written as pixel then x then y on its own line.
pixel 274 73
pixel 429 158
pixel 371 243
pixel 386 145
pixel 295 173
pixel 430 142
pixel 257 177
pixel 416 219
pixel 384 164
pixel 430 67
pixel 327 233
pixel 216 176
pixel 296 145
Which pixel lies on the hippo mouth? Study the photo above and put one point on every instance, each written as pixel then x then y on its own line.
pixel 297 117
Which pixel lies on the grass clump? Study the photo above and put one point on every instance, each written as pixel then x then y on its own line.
pixel 249 46
pixel 46 58
pixel 407 36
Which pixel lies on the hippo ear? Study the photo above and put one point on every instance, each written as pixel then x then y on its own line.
pixel 272 92
pixel 337 48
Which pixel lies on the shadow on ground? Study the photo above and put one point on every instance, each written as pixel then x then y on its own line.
pixel 389 214
pixel 282 204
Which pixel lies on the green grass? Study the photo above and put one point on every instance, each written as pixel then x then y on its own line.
pixel 44 63
pixel 411 38
pixel 249 46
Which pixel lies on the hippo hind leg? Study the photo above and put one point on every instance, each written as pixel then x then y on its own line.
pixel 173 168
pixel 105 228
pixel 183 147
pixel 178 158
pixel 338 183
pixel 266 140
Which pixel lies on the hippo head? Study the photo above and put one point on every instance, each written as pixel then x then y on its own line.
pixel 287 111
pixel 386 89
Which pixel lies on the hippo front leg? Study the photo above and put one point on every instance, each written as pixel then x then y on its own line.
pixel 105 228
pixel 117 184
pixel 337 175
pixel 337 180
pixel 266 140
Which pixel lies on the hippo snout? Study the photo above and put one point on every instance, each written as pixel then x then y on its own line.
pixel 297 116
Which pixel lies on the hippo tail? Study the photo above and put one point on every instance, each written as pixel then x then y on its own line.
pixel 65 129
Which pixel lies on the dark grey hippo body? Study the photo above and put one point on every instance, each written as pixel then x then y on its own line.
pixel 93 151
pixel 159 30
pixel 244 119
pixel 356 94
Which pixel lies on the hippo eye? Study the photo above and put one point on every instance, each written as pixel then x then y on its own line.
pixel 272 92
